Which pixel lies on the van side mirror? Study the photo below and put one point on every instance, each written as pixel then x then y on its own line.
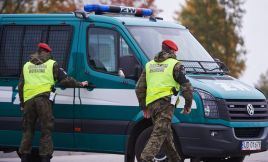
pixel 130 67
pixel 90 86
pixel 136 74
pixel 222 65
pixel 138 71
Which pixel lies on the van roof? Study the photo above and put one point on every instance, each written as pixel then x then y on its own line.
pixel 60 16
pixel 134 21
pixel 145 21
pixel 127 20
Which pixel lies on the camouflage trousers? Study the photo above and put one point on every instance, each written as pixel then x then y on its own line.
pixel 38 108
pixel 162 136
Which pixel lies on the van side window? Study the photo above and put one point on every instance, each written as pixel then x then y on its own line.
pixel 10 50
pixel 18 42
pixel 109 52
pixel 32 36
pixel 59 39
pixel 102 49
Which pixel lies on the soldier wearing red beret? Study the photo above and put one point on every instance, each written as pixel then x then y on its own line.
pixel 162 78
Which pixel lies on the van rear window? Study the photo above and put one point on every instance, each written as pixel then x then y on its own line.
pixel 18 42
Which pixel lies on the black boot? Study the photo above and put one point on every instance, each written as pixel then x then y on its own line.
pixel 45 158
pixel 24 158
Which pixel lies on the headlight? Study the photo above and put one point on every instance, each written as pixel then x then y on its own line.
pixel 209 104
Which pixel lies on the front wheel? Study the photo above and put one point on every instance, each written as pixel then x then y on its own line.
pixel 142 141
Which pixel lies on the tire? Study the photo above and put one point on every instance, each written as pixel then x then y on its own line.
pixel 142 141
pixel 231 159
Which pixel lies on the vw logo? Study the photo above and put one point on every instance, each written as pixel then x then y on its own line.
pixel 250 109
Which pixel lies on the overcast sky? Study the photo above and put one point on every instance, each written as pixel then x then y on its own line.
pixel 254 31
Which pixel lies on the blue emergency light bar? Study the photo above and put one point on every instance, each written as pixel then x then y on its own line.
pixel 98 9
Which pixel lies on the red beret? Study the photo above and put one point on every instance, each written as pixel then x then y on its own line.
pixel 44 46
pixel 170 44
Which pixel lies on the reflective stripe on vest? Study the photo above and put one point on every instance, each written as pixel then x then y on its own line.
pixel 37 79
pixel 159 79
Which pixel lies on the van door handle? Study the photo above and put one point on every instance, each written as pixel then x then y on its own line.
pixel 90 87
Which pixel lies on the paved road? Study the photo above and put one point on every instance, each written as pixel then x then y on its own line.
pixel 93 157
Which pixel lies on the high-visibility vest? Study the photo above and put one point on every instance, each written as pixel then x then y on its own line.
pixel 37 79
pixel 159 79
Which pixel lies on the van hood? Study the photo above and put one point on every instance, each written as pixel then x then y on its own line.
pixel 225 87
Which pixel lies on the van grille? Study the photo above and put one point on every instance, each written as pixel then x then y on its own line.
pixel 248 132
pixel 237 110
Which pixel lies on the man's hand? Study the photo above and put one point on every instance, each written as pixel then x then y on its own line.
pixel 84 83
pixel 186 110
pixel 146 114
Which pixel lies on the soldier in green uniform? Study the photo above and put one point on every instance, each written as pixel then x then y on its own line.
pixel 38 77
pixel 161 78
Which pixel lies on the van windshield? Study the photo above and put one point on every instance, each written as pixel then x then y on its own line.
pixel 150 40
pixel 194 57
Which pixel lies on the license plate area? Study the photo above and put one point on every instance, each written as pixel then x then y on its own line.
pixel 251 145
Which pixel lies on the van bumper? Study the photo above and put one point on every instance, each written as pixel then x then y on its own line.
pixel 197 140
